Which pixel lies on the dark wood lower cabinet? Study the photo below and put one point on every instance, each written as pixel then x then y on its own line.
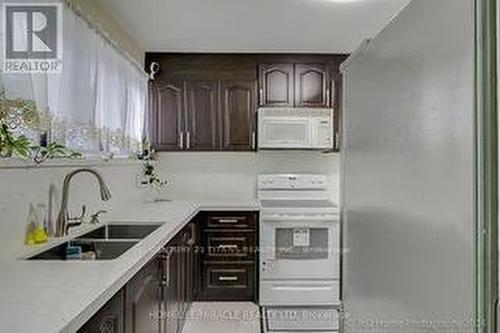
pixel 110 319
pixel 158 297
pixel 143 299
pixel 229 241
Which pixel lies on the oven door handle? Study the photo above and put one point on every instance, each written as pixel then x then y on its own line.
pixel 299 218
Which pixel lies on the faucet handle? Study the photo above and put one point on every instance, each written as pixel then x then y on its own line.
pixel 79 219
pixel 94 218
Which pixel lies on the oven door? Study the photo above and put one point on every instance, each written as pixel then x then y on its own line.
pixel 299 247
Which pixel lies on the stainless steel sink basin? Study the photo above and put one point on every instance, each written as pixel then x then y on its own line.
pixel 104 249
pixel 121 231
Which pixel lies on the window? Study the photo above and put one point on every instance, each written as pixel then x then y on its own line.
pixel 97 104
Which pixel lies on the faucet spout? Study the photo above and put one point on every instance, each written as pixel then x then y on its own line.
pixel 63 216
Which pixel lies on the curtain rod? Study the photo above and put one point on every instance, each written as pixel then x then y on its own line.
pixel 95 26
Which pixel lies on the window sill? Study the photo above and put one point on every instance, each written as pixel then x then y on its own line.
pixel 16 163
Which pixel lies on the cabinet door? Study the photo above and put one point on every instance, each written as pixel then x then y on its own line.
pixel 238 103
pixel 143 295
pixel 109 319
pixel 170 291
pixel 202 132
pixel 276 84
pixel 166 116
pixel 312 85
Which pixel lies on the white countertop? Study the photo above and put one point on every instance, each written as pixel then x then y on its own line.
pixel 60 296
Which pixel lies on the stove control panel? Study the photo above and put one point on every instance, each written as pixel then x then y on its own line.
pixel 292 182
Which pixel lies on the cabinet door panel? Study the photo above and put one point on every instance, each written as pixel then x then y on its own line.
pixel 276 84
pixel 202 116
pixel 166 116
pixel 312 85
pixel 239 115
pixel 109 319
pixel 171 291
pixel 143 300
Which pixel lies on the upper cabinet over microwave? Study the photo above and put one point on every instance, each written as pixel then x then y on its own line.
pixel 295 128
pixel 296 84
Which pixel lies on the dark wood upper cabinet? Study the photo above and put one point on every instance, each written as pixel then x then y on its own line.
pixel 238 105
pixel 166 115
pixel 276 84
pixel 312 85
pixel 208 102
pixel 202 131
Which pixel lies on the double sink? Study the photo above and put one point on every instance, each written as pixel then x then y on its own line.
pixel 107 242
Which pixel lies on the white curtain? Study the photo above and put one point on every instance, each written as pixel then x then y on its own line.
pixel 98 103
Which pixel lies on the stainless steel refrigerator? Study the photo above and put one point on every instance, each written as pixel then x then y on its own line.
pixel 408 189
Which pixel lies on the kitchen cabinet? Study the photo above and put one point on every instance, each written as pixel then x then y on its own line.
pixel 178 278
pixel 229 258
pixel 202 116
pixel 295 85
pixel 276 84
pixel 312 85
pixel 208 102
pixel 143 300
pixel 109 319
pixel 205 116
pixel 166 121
pixel 212 258
pixel 238 108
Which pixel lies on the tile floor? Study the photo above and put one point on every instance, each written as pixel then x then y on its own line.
pixel 223 317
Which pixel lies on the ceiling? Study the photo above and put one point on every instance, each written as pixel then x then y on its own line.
pixel 318 26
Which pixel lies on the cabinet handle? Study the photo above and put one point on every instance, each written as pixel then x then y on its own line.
pixel 227 221
pixel 254 139
pixel 334 96
pixel 165 282
pixel 228 278
pixel 181 140
pixel 188 140
pixel 229 246
pixel 261 96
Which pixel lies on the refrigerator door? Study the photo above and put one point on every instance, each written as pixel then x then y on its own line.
pixel 408 187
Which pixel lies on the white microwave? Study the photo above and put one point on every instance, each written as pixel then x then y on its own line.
pixel 295 128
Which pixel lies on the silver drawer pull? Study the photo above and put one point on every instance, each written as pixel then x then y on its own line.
pixel 228 221
pixel 228 278
pixel 231 246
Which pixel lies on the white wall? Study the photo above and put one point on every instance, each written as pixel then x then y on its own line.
pixel 229 176
pixel 212 176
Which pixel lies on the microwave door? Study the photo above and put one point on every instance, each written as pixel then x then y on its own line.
pixel 281 133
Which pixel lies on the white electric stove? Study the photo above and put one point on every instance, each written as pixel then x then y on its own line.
pixel 299 254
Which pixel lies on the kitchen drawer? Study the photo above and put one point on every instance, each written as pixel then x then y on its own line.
pixel 295 292
pixel 228 282
pixel 302 319
pixel 230 220
pixel 231 246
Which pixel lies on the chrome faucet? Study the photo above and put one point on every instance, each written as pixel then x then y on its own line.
pixel 63 219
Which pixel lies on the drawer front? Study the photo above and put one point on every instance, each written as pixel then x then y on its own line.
pixel 302 319
pixel 229 282
pixel 300 293
pixel 229 220
pixel 232 246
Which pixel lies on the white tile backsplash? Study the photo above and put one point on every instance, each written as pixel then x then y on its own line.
pixel 191 176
